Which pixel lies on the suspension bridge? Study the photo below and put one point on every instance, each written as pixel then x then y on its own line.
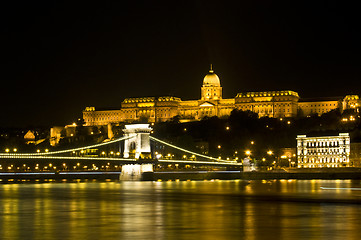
pixel 138 156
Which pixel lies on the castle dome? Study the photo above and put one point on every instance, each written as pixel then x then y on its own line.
pixel 211 79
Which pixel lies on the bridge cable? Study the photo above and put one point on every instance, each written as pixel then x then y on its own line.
pixel 68 150
pixel 187 151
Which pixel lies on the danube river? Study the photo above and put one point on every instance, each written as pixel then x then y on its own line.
pixel 277 209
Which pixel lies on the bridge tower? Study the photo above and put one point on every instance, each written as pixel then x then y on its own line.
pixel 137 147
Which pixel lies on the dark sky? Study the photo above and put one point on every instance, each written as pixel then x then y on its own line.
pixel 61 56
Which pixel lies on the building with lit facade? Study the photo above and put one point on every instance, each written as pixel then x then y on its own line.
pixel 274 104
pixel 323 152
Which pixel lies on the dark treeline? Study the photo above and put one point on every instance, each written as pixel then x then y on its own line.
pixel 245 130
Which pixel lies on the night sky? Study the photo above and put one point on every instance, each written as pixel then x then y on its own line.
pixel 61 56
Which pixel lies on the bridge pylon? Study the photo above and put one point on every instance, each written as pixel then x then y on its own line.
pixel 137 147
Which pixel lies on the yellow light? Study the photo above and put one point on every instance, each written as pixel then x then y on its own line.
pixel 227 128
pixel 248 152
pixel 7 150
pixel 219 146
pixel 15 150
pixel 38 150
pixel 46 150
pixel 269 152
pixel 252 142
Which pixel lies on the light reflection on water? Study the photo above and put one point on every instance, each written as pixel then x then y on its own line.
pixel 283 209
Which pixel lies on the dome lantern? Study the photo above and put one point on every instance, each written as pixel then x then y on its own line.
pixel 211 79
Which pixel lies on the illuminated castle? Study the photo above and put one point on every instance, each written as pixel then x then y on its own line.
pixel 274 104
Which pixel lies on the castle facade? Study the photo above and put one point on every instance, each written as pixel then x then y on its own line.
pixel 274 104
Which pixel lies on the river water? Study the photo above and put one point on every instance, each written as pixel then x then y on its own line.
pixel 277 209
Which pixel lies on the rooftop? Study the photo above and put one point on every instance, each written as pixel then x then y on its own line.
pixel 151 99
pixel 321 99
pixel 268 94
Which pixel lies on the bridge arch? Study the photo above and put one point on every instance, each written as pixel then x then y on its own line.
pixel 137 143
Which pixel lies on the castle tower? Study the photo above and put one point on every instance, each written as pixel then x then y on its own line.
pixel 211 88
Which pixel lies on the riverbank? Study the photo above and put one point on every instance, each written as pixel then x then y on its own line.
pixel 230 175
pixel 300 175
pixel 11 177
pixel 182 175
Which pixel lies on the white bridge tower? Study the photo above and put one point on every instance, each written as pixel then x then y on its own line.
pixel 137 147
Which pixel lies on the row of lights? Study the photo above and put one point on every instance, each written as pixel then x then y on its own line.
pixel 193 157
pixel 170 156
pixel 64 165
pixel 351 119
pixel 7 150
pixel 75 149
